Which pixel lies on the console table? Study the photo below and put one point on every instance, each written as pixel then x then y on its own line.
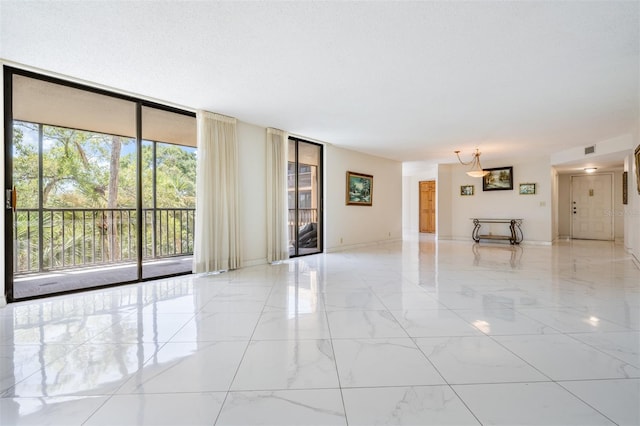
pixel 515 233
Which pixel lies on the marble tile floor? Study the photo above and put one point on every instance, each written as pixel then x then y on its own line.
pixel 417 332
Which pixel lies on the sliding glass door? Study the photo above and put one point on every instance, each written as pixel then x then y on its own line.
pixel 168 192
pixel 304 179
pixel 90 203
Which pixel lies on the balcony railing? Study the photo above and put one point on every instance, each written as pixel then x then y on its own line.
pixel 305 217
pixel 53 239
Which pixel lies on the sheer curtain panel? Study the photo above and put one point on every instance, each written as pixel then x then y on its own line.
pixel 277 203
pixel 217 239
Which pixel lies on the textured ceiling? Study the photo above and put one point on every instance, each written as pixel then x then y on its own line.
pixel 404 80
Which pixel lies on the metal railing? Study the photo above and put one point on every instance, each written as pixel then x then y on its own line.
pixel 305 217
pixel 62 238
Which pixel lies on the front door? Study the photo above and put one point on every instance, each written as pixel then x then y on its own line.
pixel 428 206
pixel 591 207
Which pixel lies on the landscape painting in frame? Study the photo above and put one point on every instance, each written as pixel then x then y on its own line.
pixel 527 189
pixel 466 190
pixel 359 189
pixel 498 179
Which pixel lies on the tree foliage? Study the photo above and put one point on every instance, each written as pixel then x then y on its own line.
pixel 77 172
pixel 89 170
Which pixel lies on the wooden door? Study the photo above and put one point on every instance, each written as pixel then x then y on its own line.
pixel 591 207
pixel 428 206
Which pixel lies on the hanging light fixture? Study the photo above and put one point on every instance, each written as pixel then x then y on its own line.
pixel 476 168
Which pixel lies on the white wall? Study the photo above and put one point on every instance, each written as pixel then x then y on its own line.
pixel 412 174
pixel 618 144
pixel 632 209
pixel 252 172
pixel 353 226
pixel 344 226
pixel 555 183
pixel 535 210
pixel 454 210
pixel 444 202
pixel 618 207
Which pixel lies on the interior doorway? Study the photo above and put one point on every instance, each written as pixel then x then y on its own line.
pixel 591 207
pixel 428 206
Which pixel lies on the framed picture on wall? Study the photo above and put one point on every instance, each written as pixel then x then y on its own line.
pixel 466 190
pixel 625 188
pixel 359 189
pixel 498 179
pixel 527 189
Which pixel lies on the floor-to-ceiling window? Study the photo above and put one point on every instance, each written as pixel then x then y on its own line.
pixel 168 191
pixel 100 187
pixel 304 185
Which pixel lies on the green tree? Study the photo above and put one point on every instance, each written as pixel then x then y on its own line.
pixel 89 170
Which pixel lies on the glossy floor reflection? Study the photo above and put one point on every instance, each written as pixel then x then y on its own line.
pixel 414 333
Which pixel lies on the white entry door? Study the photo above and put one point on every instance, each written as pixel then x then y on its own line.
pixel 592 207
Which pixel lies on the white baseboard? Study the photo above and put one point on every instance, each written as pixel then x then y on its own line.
pixel 469 239
pixel 361 245
pixel 536 243
pixel 254 262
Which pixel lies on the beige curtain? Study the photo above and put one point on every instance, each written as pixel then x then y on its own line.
pixel 217 238
pixel 277 208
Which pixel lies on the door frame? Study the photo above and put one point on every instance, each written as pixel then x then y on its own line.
pixel 611 203
pixel 435 219
pixel 320 213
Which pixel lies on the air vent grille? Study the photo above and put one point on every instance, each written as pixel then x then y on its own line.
pixel 590 150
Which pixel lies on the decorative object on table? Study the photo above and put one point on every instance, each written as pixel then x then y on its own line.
pixel 476 169
pixel 466 189
pixel 359 189
pixel 498 179
pixel 527 189
pixel 637 155
pixel 625 188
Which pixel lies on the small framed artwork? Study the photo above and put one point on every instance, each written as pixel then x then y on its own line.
pixel 466 189
pixel 527 189
pixel 359 189
pixel 498 179
pixel 625 188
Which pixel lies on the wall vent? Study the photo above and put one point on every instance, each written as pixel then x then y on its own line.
pixel 590 150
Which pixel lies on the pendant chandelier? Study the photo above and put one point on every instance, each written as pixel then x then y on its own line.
pixel 476 168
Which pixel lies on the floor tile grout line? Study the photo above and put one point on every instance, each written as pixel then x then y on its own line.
pixel 446 382
pixel 244 353
pixel 492 336
pixel 335 363
pixel 97 409
pixel 520 357
pixel 556 382
pixel 570 335
pixel 586 403
pixel 523 312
